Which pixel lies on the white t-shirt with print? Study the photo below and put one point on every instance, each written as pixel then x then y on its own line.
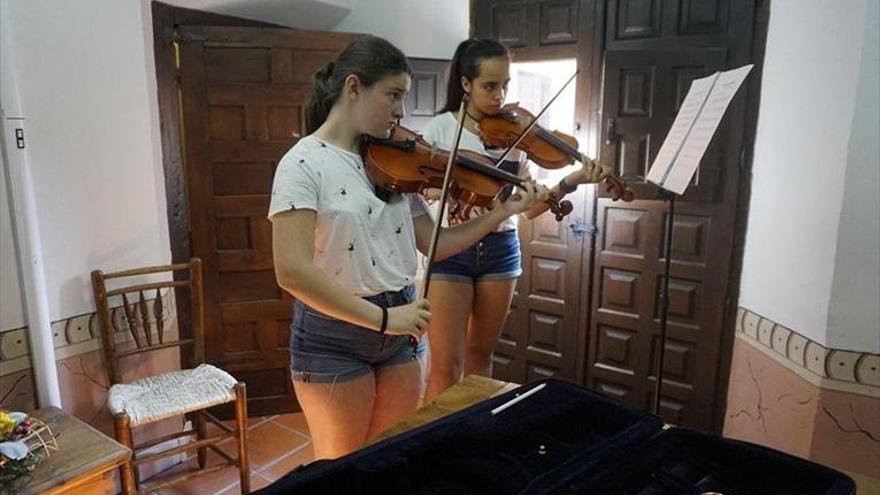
pixel 440 131
pixel 364 243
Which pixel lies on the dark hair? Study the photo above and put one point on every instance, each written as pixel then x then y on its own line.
pixel 369 58
pixel 466 62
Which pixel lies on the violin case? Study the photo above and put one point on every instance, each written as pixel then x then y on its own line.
pixel 562 439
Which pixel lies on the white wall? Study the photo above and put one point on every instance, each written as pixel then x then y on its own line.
pixel 86 78
pixel 854 314
pixel 318 15
pixel 85 72
pixel 11 309
pixel 421 28
pixel 811 69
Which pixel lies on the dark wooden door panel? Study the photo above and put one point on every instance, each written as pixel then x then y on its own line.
pixel 558 22
pixel 703 17
pixel 682 23
pixel 635 19
pixel 654 50
pixel 509 23
pixel 535 29
pixel 243 93
pixel 427 93
pixel 629 260
pixel 542 333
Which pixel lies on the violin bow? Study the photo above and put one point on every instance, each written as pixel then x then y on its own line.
pixel 450 162
pixel 535 120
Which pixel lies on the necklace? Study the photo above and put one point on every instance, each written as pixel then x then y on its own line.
pixel 472 123
pixel 472 117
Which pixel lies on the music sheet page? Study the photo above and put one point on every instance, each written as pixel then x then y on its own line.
pixel 696 123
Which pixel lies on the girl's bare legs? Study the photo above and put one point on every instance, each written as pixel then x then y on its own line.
pixel 338 414
pixel 398 389
pixel 450 307
pixel 491 303
pixel 343 416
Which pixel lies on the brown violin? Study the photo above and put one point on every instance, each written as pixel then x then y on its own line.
pixel 548 149
pixel 406 163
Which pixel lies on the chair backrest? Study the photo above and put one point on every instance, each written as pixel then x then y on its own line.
pixel 137 312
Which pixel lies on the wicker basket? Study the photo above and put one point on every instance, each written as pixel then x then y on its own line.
pixel 40 442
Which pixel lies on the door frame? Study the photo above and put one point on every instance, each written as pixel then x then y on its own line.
pixel 741 214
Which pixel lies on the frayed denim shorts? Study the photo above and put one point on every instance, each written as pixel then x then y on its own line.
pixel 494 257
pixel 324 349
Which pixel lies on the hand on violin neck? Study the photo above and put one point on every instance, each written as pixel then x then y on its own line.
pixel 525 198
pixel 589 173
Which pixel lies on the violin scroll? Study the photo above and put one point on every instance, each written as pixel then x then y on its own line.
pixel 617 189
pixel 560 209
pixel 614 186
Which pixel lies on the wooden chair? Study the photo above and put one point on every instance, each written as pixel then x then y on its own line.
pixel 188 391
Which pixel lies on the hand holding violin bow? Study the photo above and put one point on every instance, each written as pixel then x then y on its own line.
pixel 524 199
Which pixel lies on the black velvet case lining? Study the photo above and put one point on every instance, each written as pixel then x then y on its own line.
pixel 563 439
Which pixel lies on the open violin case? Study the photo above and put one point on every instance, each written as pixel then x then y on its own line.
pixel 562 439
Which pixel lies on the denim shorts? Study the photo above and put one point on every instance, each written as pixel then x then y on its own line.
pixel 494 257
pixel 325 349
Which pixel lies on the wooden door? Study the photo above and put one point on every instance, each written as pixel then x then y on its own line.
pixel 545 333
pixel 653 50
pixel 243 90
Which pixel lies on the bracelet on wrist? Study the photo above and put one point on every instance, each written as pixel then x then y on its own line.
pixel 384 325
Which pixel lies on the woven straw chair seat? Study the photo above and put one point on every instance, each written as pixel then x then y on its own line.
pixel 170 394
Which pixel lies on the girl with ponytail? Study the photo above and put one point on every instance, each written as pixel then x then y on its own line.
pixel 471 292
pixel 349 258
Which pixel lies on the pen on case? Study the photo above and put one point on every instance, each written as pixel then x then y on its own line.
pixel 517 399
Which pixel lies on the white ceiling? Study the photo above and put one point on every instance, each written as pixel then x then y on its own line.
pixel 321 15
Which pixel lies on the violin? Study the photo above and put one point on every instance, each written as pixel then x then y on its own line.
pixel 406 163
pixel 548 149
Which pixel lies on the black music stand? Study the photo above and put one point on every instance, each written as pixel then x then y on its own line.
pixel 676 163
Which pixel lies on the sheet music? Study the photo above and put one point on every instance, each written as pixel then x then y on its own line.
pixel 696 123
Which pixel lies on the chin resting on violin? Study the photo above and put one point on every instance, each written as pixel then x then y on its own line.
pixel 487 93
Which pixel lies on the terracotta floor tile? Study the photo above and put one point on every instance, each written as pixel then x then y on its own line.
pixel 294 421
pixel 209 484
pixel 257 482
pixel 276 444
pixel 288 463
pixel 252 423
pixel 267 443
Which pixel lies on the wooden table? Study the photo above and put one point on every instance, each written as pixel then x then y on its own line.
pixel 471 390
pixel 84 463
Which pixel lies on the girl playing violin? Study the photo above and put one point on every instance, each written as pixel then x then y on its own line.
pixel 471 292
pixel 349 257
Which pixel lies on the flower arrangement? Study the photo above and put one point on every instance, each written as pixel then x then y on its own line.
pixel 24 442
